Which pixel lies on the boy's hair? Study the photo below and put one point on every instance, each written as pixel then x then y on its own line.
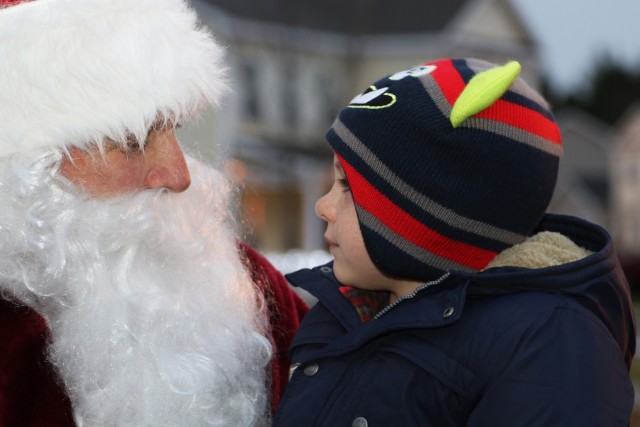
pixel 449 163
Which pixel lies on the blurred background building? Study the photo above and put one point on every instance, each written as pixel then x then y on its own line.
pixel 295 63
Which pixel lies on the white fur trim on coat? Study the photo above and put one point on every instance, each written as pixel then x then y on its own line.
pixel 76 71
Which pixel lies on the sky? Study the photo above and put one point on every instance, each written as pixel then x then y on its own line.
pixel 574 34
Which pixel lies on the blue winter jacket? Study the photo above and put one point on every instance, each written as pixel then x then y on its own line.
pixel 505 347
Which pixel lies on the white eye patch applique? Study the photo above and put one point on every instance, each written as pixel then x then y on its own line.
pixel 374 98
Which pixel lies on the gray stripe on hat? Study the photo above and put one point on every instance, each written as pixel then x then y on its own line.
pixel 432 87
pixel 519 86
pixel 435 209
pixel 516 134
pixel 422 255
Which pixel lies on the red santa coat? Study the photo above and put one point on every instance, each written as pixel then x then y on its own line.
pixel 31 395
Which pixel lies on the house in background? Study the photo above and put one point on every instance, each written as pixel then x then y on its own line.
pixel 624 175
pixel 599 179
pixel 582 188
pixel 295 63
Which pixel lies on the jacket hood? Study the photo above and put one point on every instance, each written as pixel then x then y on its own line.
pixel 572 257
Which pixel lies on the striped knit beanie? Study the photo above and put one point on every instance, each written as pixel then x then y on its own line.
pixel 449 163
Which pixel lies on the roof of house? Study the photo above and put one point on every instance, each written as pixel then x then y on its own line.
pixel 350 17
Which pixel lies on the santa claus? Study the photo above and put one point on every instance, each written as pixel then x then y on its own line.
pixel 125 297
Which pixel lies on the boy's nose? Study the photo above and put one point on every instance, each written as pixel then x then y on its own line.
pixel 323 208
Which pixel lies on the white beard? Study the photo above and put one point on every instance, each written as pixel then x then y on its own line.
pixel 154 320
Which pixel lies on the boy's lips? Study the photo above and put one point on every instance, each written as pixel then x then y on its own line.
pixel 330 242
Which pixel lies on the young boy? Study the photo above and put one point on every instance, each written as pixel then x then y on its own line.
pixel 453 300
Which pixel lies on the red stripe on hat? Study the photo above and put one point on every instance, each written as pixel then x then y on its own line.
pixel 452 84
pixel 449 80
pixel 523 118
pixel 410 228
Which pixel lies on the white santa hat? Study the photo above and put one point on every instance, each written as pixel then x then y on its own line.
pixel 77 71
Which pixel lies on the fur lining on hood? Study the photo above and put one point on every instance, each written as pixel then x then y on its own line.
pixel 545 249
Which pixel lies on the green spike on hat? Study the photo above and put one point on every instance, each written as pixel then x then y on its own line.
pixel 483 90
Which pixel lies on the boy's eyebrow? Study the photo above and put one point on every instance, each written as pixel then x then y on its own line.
pixel 336 162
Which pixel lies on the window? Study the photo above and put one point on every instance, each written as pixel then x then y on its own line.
pixel 289 94
pixel 249 82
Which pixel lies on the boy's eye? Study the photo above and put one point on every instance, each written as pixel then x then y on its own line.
pixel 344 183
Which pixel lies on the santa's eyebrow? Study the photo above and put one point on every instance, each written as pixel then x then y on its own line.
pixel 162 123
pixel 159 124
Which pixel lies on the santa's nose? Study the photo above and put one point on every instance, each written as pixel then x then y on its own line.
pixel 167 164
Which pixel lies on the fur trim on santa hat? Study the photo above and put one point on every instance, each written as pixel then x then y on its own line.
pixel 77 71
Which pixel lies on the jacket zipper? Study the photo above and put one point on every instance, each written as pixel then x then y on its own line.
pixel 412 294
